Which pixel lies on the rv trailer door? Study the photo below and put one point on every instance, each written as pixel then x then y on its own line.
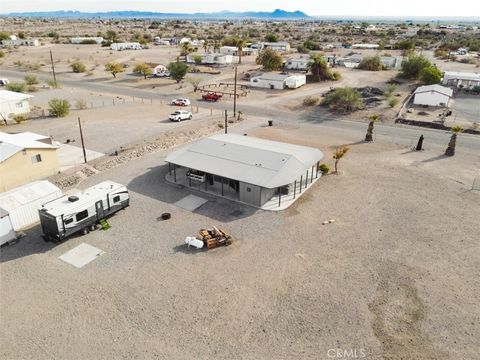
pixel 99 209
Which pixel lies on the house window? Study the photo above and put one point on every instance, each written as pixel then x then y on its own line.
pixel 68 221
pixel 19 104
pixel 36 158
pixel 116 199
pixel 82 215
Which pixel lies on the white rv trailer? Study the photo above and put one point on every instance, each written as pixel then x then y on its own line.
pixel 126 46
pixel 80 212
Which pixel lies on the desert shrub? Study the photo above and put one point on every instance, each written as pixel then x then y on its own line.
pixel 17 87
pixel 270 59
pixel 343 100
pixel 310 101
pixel 413 66
pixel 30 79
pixel 88 42
pixel 392 101
pixel 389 89
pixel 114 68
pixel 34 66
pixel 441 53
pixel 220 125
pixel 78 67
pixel 197 59
pixel 19 119
pixel 319 68
pixel 53 84
pixel 81 104
pixel 324 168
pixel 371 63
pixel 18 63
pixel 32 88
pixel 58 107
pixel 468 61
pixel 476 89
pixel 53 34
pixel 2 54
pixel 336 76
pixel 430 75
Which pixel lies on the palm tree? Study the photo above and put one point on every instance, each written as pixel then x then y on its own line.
pixel 453 140
pixel 216 46
pixel 338 154
pixel 373 118
pixel 240 43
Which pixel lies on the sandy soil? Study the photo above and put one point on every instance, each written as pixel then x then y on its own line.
pixel 395 276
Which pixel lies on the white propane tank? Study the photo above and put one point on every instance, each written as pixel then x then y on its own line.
pixel 193 241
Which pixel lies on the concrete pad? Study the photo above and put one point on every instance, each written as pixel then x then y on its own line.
pixel 191 202
pixel 70 156
pixel 81 255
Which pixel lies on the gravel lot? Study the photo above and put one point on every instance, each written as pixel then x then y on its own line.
pixel 395 276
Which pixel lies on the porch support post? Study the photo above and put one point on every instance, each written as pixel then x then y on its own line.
pixel 311 176
pixel 306 180
pixel 301 182
pixel 222 185
pixel 169 169
pixel 279 196
pixel 294 189
pixel 174 173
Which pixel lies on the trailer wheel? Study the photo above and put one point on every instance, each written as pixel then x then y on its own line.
pixel 45 238
pixel 93 227
pixel 85 231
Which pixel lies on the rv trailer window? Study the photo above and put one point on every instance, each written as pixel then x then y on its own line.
pixel 68 221
pixel 116 199
pixel 82 215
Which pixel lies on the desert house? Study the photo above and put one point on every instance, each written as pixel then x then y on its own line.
pixel 461 79
pixel 300 63
pixel 433 95
pixel 281 46
pixel 26 157
pixel 12 104
pixel 20 42
pixel 160 69
pixel 126 46
pixel 233 50
pixel 86 40
pixel 19 207
pixel 365 46
pixel 278 81
pixel 211 59
pixel 246 169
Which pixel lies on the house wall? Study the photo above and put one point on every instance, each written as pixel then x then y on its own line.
pixel 266 194
pixel 6 230
pixel 19 169
pixel 267 84
pixel 14 107
pixel 431 99
pixel 250 194
pixel 295 81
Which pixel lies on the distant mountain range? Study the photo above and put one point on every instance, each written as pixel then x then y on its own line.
pixel 276 14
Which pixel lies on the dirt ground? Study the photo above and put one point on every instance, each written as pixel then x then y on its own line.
pixel 395 277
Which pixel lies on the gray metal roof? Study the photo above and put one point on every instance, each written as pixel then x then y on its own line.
pixel 10 144
pixel 434 88
pixel 265 163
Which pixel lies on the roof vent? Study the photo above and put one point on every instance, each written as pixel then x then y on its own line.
pixel 73 198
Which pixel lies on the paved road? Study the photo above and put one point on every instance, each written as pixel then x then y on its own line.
pixel 400 134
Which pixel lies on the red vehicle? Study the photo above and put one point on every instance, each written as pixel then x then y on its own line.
pixel 211 96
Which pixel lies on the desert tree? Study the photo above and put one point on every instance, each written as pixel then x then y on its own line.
pixel 270 59
pixel 178 70
pixel 31 79
pixel 373 118
pixel 431 75
pixel 371 63
pixel 58 107
pixel 338 154
pixel 453 140
pixel 114 68
pixel 320 70
pixel 194 81
pixel 240 44
pixel 413 66
pixel 143 69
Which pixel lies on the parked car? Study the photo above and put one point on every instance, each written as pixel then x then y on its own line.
pixel 211 96
pixel 181 102
pixel 162 74
pixel 180 115
pixel 4 82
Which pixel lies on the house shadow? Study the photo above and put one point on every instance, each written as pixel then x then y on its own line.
pixel 154 185
pixel 30 244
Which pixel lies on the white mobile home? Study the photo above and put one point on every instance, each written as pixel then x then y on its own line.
pixel 21 204
pixel 13 103
pixel 6 228
pixel 20 42
pixel 365 46
pixel 233 50
pixel 86 40
pixel 67 215
pixel 461 79
pixel 278 81
pixel 211 59
pixel 281 46
pixel 126 46
pixel 297 63
pixel 433 95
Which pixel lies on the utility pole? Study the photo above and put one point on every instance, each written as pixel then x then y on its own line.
pixel 235 94
pixel 53 68
pixel 81 138
pixel 226 122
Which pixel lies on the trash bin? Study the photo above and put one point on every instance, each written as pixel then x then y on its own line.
pixel 270 122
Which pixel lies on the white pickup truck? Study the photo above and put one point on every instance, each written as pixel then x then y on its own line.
pixel 180 115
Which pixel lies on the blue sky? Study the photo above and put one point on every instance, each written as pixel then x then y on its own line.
pixel 311 7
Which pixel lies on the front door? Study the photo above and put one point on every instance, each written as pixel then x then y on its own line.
pixel 99 209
